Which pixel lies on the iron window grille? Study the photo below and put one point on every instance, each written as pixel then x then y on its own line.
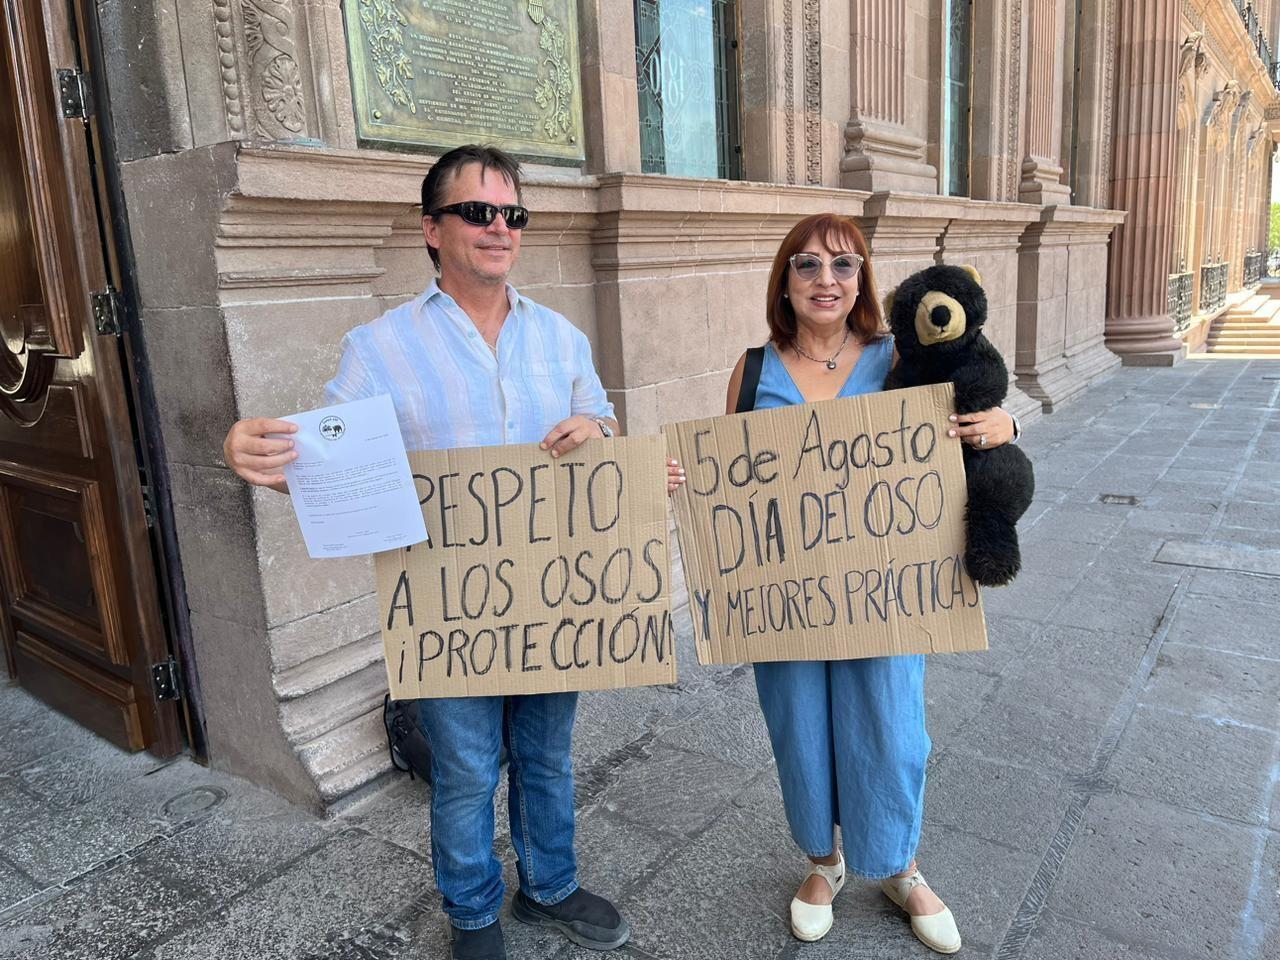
pixel 687 78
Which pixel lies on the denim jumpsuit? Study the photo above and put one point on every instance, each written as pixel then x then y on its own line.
pixel 849 735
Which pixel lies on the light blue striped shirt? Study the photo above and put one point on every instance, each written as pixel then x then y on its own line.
pixel 449 388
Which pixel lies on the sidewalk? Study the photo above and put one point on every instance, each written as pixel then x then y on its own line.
pixel 1105 781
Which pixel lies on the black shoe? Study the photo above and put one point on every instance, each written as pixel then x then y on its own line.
pixel 483 944
pixel 584 918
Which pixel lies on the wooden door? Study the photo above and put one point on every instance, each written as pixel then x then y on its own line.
pixel 79 610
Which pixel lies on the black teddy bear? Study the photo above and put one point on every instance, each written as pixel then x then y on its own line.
pixel 936 317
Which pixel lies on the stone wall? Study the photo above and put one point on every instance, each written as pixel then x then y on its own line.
pixel 263 233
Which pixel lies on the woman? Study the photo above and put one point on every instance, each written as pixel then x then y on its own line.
pixel 849 735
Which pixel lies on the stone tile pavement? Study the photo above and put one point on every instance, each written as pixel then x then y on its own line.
pixel 1105 781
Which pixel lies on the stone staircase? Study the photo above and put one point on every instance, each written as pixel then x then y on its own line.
pixel 1250 327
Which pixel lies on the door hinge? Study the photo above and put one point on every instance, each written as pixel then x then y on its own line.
pixel 108 311
pixel 74 95
pixel 164 680
pixel 148 506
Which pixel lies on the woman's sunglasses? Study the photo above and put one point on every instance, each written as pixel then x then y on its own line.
pixel 808 265
pixel 481 214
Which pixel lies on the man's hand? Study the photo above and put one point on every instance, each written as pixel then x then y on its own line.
pixel 569 434
pixel 982 430
pixel 256 458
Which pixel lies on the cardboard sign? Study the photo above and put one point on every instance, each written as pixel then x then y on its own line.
pixel 539 575
pixel 827 531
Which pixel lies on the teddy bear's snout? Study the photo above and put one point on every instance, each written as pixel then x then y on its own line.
pixel 939 318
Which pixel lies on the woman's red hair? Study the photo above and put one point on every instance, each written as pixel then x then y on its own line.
pixel 839 235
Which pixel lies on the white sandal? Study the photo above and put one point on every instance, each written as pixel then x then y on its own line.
pixel 937 931
pixel 812 921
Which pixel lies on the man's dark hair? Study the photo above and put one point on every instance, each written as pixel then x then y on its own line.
pixel 438 178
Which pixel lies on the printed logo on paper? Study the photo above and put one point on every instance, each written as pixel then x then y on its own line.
pixel 332 428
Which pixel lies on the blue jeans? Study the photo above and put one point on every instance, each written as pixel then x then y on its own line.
pixel 851 746
pixel 466 736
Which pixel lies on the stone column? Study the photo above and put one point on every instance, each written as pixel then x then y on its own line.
pixel 830 50
pixel 1139 327
pixel 1042 165
pixel 610 110
pixel 883 146
pixel 795 99
pixel 1062 302
pixel 772 121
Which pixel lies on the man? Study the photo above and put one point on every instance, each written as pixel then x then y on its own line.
pixel 470 362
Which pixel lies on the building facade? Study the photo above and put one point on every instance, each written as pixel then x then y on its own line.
pixel 264 222
pixel 1226 116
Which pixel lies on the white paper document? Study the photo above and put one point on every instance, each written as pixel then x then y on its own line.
pixel 351 484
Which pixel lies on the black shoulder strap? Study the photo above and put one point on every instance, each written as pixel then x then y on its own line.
pixel 750 380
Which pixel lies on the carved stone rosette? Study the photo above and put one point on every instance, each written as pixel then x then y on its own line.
pixel 275 79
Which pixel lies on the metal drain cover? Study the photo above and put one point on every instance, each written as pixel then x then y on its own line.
pixel 189 803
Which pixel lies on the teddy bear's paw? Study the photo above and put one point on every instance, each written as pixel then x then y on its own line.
pixel 992 568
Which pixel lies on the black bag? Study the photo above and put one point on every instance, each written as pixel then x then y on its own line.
pixel 750 380
pixel 410 751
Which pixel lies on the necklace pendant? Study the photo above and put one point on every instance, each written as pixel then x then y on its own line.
pixel 831 364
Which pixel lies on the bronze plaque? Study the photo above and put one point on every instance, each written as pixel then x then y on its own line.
pixel 441 73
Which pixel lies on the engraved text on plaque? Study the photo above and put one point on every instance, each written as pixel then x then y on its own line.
pixel 441 73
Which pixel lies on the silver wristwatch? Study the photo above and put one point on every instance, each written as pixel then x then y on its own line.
pixel 603 424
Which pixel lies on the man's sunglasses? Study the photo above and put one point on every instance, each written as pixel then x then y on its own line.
pixel 808 265
pixel 481 214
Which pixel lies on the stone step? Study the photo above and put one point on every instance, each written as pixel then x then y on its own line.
pixel 347 745
pixel 1245 323
pixel 1261 326
pixel 318 713
pixel 311 675
pixel 1248 304
pixel 1238 345
pixel 1230 351
pixel 1245 295
pixel 1247 309
pixel 346 786
pixel 1244 336
pixel 1240 318
pixel 1242 326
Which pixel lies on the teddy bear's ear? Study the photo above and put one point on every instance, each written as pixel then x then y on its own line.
pixel 888 302
pixel 973 272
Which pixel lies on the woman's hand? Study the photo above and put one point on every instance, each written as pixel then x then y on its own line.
pixel 675 476
pixel 984 429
